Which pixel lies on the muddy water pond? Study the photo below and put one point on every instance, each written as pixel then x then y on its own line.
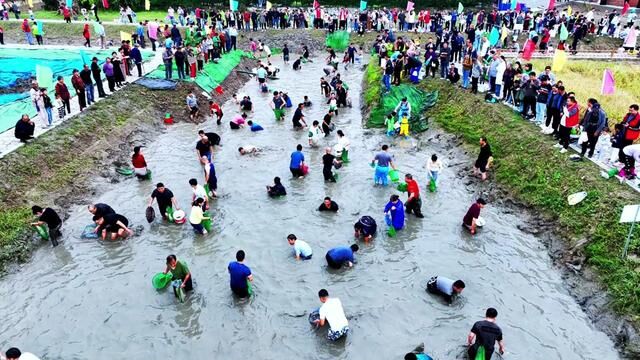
pixel 88 299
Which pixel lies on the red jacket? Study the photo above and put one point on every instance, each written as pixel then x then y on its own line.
pixel 633 129
pixel 573 117
pixel 25 26
pixel 77 82
pixel 138 162
pixel 63 91
pixel 412 187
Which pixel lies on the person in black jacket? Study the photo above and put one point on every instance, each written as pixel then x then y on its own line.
pixel 95 71
pixel 24 128
pixel 49 217
pixel 180 58
pixel 85 75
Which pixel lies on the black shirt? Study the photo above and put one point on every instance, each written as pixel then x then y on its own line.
pixel 103 209
pixel 50 217
pixel 297 116
pixel 164 198
pixel 110 220
pixel 485 153
pixel 85 75
pixel 333 207
pixel 214 139
pixel 203 148
pixel 95 69
pixel 487 333
pixel 327 161
pixel 277 190
pixel 296 64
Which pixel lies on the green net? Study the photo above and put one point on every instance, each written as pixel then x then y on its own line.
pixel 338 40
pixel 214 73
pixel 420 101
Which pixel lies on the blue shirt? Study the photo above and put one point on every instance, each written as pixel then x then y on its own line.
pixel 296 158
pixel 341 254
pixel 256 127
pixel 397 215
pixel 238 274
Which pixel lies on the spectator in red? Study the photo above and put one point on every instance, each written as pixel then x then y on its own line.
pixel 63 91
pixel 570 119
pixel 87 35
pixel 27 31
pixel 631 124
pixel 78 84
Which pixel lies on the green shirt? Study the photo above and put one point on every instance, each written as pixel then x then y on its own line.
pixel 180 272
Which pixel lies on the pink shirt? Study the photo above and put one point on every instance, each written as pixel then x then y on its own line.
pixel 239 120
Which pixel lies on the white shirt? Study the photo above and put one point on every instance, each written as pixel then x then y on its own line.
pixel 434 165
pixel 301 248
pixel 344 143
pixel 199 192
pixel 332 312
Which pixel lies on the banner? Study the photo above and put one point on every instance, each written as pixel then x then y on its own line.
pixel 569 10
pixel 494 36
pixel 559 60
pixel 125 36
pixel 233 5
pixel 625 8
pixel 44 77
pixel 564 33
pixel 41 28
pixel 552 4
pixel 147 5
pixel 608 83
pixel 460 8
pixel 514 4
pixel 316 4
pixel 632 37
pixel 363 5
pixel 409 5
pixel 528 49
pixel 105 4
pixel 269 5
pixel 30 3
pixel 69 3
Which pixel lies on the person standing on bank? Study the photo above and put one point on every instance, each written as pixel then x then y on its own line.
pixel 50 217
pixel 484 334
pixel 85 75
pixel 484 159
pixel 593 124
pixel 63 91
pixel 95 71
pixel 79 86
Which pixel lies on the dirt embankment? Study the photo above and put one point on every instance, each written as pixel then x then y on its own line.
pixel 69 164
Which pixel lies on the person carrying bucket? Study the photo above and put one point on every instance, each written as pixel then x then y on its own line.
pixel 197 216
pixel 50 218
pixel 434 167
pixel 342 147
pixel 381 162
pixel 165 200
pixel 180 272
pixel 483 336
pixel 210 179
pixel 240 276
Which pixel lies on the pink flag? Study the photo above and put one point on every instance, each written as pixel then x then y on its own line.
pixel 552 4
pixel 105 4
pixel 625 8
pixel 608 83
pixel 632 37
pixel 409 5
pixel 316 4
pixel 528 49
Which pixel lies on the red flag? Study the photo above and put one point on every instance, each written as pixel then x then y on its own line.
pixel 625 8
pixel 528 49
pixel 219 90
pixel 552 4
pixel 105 4
pixel 316 4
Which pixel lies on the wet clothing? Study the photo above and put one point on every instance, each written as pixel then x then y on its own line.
pixel 333 313
pixel 297 157
pixel 302 249
pixel 111 222
pixel 397 214
pixel 472 213
pixel 383 158
pixel 51 218
pixel 339 256
pixel 238 277
pixel 164 200
pixel 180 273
pixel 214 139
pixel 297 116
pixel 102 210
pixel 487 333
pixel 277 190
pixel 327 167
pixel 333 207
pixel 443 286
pixel 204 149
pixel 367 226
pixel 483 158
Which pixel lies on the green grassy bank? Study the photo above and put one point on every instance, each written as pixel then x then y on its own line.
pixel 535 173
pixel 57 168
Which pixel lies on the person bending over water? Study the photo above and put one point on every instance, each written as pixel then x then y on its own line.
pixel 341 255
pixel 115 224
pixel 332 312
pixel 365 228
pixel 301 250
pixel 484 334
pixel 471 217
pixel 276 189
pixel 248 149
pixel 179 271
pixel 240 276
pixel 445 287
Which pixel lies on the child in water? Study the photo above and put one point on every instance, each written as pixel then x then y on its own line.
pixel 306 101
pixel 390 121
pixel 404 127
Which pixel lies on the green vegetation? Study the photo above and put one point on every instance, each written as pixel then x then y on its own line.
pixel 584 77
pixel 106 16
pixel 373 83
pixel 63 34
pixel 55 167
pixel 534 172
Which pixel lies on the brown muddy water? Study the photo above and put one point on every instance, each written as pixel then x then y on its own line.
pixel 89 299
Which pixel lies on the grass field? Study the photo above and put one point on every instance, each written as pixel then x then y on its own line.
pixel 584 77
pixel 104 15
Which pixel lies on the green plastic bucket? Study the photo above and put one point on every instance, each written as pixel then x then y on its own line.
pixel 206 223
pixel 161 280
pixel 169 214
pixel 43 231
pixel 432 185
pixel 402 187
pixel 393 175
pixel 125 171
pixel 249 288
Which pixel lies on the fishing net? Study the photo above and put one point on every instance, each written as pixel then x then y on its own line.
pixel 214 73
pixel 420 101
pixel 338 40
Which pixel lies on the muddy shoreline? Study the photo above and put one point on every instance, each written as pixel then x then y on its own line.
pixel 581 281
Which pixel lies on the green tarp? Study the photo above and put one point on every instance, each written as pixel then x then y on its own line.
pixel 338 40
pixel 420 101
pixel 214 73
